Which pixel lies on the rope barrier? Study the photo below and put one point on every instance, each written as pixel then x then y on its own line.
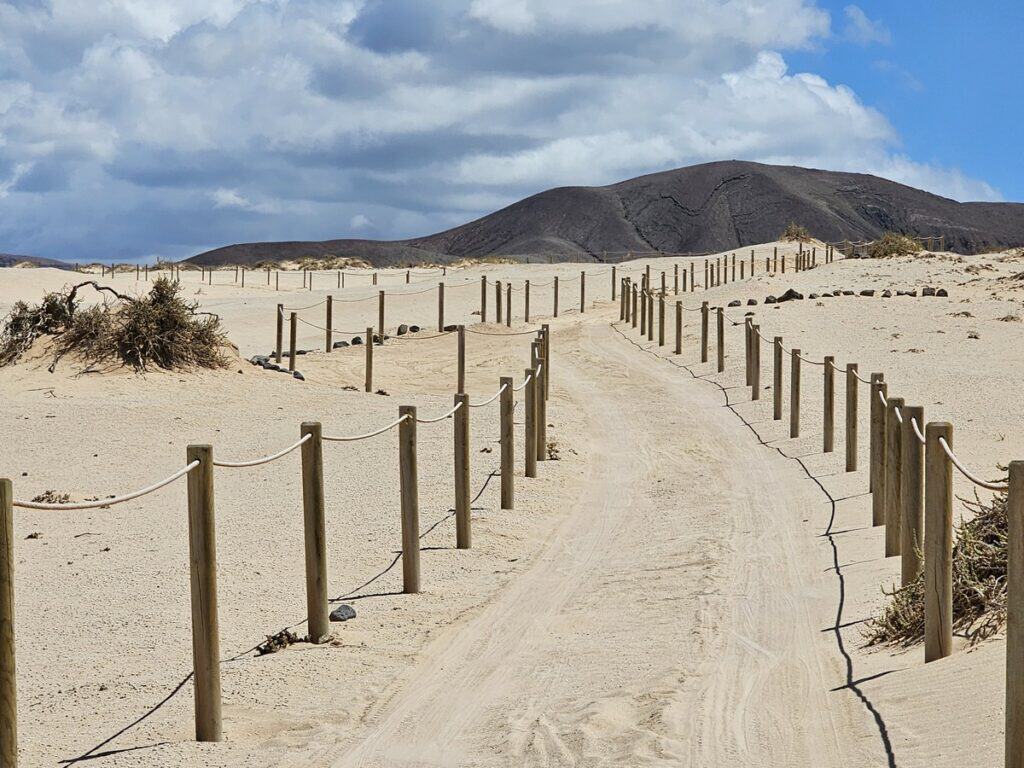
pixel 525 382
pixel 517 333
pixel 422 338
pixel 899 416
pixel 113 499
pixel 917 430
pixel 303 309
pixel 323 328
pixel 967 473
pixel 882 398
pixel 442 417
pixel 352 438
pixel 491 399
pixel 262 459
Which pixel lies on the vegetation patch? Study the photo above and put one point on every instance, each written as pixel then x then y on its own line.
pixel 979 584
pixel 795 232
pixel 893 244
pixel 278 642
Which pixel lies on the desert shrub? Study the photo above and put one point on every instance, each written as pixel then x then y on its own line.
pixel 795 232
pixel 158 329
pixel 892 244
pixel 979 583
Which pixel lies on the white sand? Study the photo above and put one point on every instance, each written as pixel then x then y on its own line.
pixel 664 594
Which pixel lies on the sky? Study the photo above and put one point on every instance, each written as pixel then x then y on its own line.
pixel 137 129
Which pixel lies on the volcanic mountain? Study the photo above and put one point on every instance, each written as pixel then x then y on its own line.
pixel 710 207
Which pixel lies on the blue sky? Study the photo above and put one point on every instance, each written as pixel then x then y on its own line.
pixel 132 129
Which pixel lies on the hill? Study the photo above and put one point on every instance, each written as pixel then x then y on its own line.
pixel 709 207
pixel 13 260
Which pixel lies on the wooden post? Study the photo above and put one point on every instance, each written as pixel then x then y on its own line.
pixel 675 279
pixel 507 448
pixel 556 297
pixel 794 393
pixel 755 348
pixel 679 327
pixel 440 307
pixel 498 302
pixel 912 484
pixel 748 351
pixel 893 477
pixel 691 277
pixel 777 379
pixel 410 500
pixel 508 304
pixel 851 417
pixel 938 543
pixel 546 373
pixel 720 323
pixel 315 533
pixel 664 288
pixel 542 404
pixel 277 281
pixel 483 299
pixel 530 428
pixel 461 381
pixel 280 333
pixel 661 320
pixel 873 404
pixel 463 517
pixel 374 278
pixel 202 549
pixel 704 332
pixel 380 315
pixel 330 323
pixel 407 276
pixel 829 416
pixel 635 299
pixel 8 678
pixel 292 331
pixel 1015 619
pixel 643 312
pixel 369 359
pixel 879 419
pixel 583 292
pixel 526 301
pixel 706 286
pixel 613 282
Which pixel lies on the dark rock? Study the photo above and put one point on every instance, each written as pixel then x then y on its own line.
pixel 868 292
pixel 902 293
pixel 813 296
pixel 886 294
pixel 340 344
pixel 791 295
pixel 912 293
pixel 303 351
pixel 751 302
pixel 376 339
pixel 414 329
pixel 942 292
pixel 848 293
pixel 928 291
pixel 735 303
pixel 298 376
pixel 450 328
pixel 770 300
pixel 343 613
pixel 402 330
pixel 357 340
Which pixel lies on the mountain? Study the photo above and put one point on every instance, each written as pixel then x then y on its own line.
pixel 709 207
pixel 12 260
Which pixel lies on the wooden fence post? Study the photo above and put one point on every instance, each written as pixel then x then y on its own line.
pixel 704 332
pixel 526 302
pixel 851 417
pixel 613 282
pixel 679 327
pixel 747 350
pixel 8 678
pixel 583 292
pixel 315 533
pixel 202 548
pixel 691 277
pixel 879 429
pixel 280 333
pixel 463 515
pixel 542 405
pixel 938 543
pixel 369 359
pixel 755 348
pixel 556 297
pixel 874 404
pixel 794 393
pixel 829 399
pixel 440 307
pixel 777 379
pixel 635 300
pixel 675 279
pixel 292 331
pixel 380 315
pixel 330 323
pixel 893 477
pixel 650 314
pixel 1014 744
pixel 483 299
pixel 507 447
pixel 720 327
pixel 661 320
pixel 460 383
pixel 410 500
pixel 643 312
pixel 546 373
pixel 530 428
pixel 912 484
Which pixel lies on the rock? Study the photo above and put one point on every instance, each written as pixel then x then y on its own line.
pixel 942 292
pixel 376 339
pixel 813 296
pixel 927 291
pixel 848 293
pixel 343 613
pixel 735 303
pixel 902 293
pixel 912 293
pixel 791 295
pixel 770 300
pixel 868 292
pixel 414 329
pixel 751 302
pixel 886 294
pixel 402 330
pixel 303 351
pixel 450 328
pixel 340 344
pixel 298 376
pixel 357 340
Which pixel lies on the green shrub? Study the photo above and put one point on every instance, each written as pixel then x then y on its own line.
pixel 893 244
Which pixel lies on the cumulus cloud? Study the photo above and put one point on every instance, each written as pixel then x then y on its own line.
pixel 132 127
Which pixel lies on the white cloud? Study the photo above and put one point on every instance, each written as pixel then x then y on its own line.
pixel 360 221
pixel 862 30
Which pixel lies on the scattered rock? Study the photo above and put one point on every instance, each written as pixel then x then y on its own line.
pixel 961 313
pixel 402 330
pixel 973 335
pixel 357 340
pixel 927 291
pixel 414 329
pixel 751 302
pixel 343 613
pixel 1009 319
pixel 34 535
pixel 791 295
pixel 298 376
pixel 382 392
pixel 735 303
pixel 813 296
pixel 770 300
pixel 868 292
pixel 942 292
pixel 450 328
pixel 886 294
pixel 340 344
pixel 848 293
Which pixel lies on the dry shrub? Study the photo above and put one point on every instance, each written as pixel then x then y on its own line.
pixel 158 329
pixel 893 244
pixel 795 232
pixel 979 583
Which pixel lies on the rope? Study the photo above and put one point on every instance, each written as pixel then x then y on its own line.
pixel 917 430
pixel 882 398
pixel 517 333
pixel 899 416
pixel 113 499
pixel 967 473
pixel 351 438
pixel 264 459
pixel 302 309
pixel 866 381
pixel 442 417
pixel 491 399
pixel 422 338
pixel 525 382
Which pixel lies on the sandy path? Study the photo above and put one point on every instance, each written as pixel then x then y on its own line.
pixel 717 658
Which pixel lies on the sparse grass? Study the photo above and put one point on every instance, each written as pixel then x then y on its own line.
pixel 892 244
pixel 795 232
pixel 979 584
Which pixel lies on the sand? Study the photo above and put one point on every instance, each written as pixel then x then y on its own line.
pixel 668 592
